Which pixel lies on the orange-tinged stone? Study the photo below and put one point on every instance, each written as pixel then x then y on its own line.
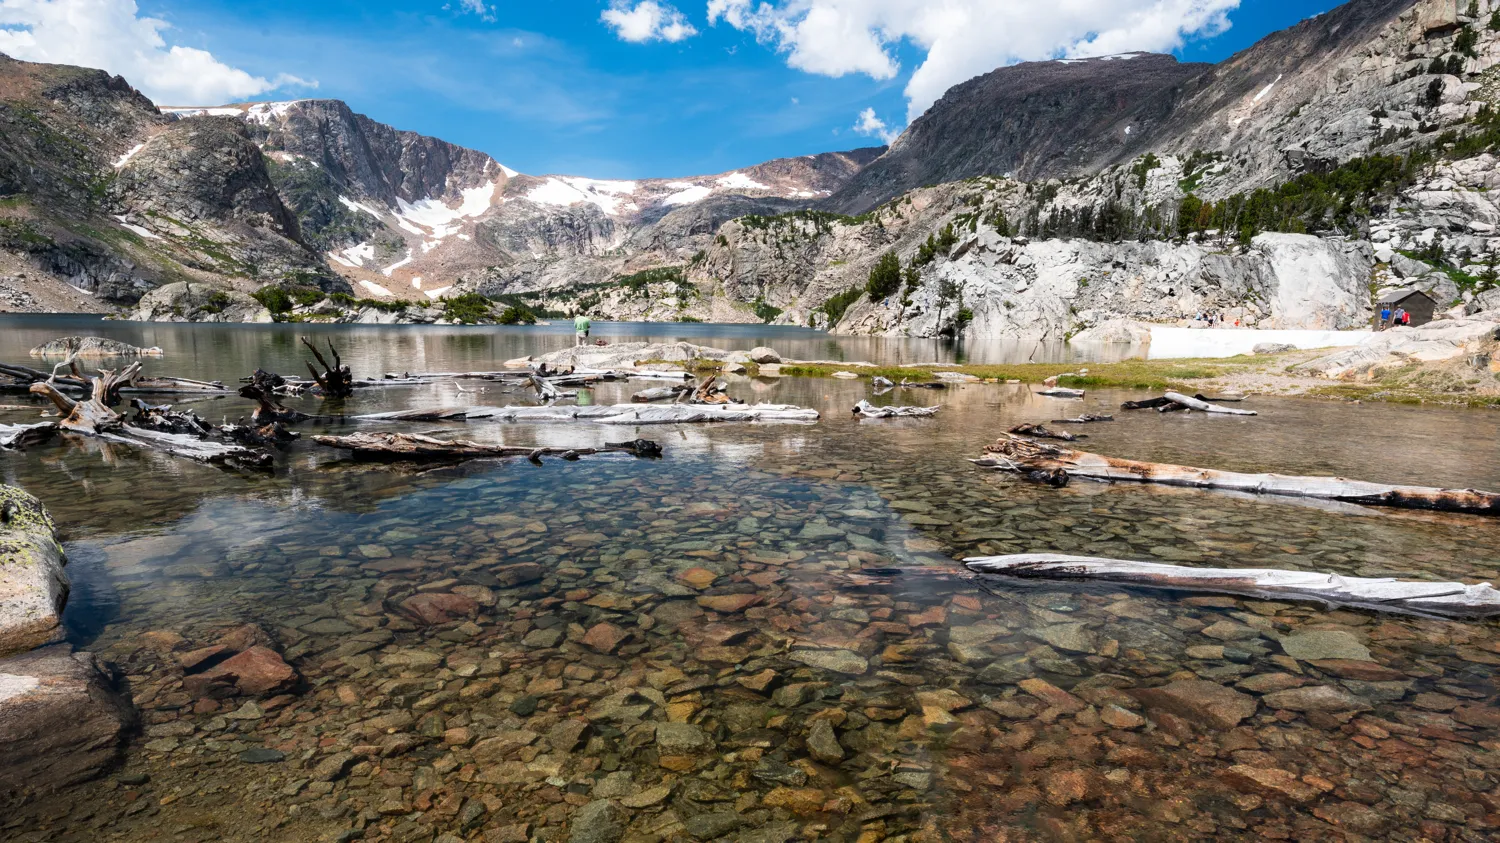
pixel 677 763
pixel 797 800
pixel 698 577
pixel 728 603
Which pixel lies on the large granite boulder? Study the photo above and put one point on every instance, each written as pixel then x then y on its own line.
pixel 194 302
pixel 60 721
pixel 33 586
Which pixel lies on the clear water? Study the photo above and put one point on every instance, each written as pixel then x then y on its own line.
pixel 323 552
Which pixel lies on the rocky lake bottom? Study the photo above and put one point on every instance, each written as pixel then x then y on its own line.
pixel 676 649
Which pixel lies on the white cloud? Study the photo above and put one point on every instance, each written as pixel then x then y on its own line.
pixel 476 7
pixel 961 39
pixel 111 35
pixel 647 21
pixel 873 126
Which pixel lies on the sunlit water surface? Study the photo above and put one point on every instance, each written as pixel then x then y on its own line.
pixel 822 708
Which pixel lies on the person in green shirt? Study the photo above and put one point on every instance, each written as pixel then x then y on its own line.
pixel 581 327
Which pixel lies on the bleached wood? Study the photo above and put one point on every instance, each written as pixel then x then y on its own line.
pixel 1448 599
pixel 412 446
pixel 608 414
pixel 1205 407
pixel 866 410
pixel 1014 453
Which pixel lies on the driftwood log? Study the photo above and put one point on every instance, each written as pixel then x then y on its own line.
pixel 412 446
pixel 1014 453
pixel 90 417
pixel 335 381
pixel 163 419
pixel 1043 433
pixel 866 410
pixel 1061 392
pixel 660 393
pixel 1205 407
pixel 1445 599
pixel 1084 419
pixel 624 414
pixel 14 437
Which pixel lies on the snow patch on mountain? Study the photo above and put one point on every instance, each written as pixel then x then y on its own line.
pixel 739 181
pixel 357 206
pixel 688 195
pixel 354 257
pixel 377 289
pixel 563 191
pixel 125 159
pixel 398 264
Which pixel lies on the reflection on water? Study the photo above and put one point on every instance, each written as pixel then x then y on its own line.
pixel 618 649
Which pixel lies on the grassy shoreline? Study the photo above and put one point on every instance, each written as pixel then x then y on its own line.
pixel 1256 374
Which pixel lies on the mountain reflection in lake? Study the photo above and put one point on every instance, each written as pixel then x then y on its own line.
pixel 619 649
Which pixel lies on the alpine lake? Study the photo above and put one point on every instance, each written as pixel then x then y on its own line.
pixel 622 649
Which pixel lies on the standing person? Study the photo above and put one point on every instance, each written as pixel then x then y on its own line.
pixel 1405 317
pixel 1385 317
pixel 581 326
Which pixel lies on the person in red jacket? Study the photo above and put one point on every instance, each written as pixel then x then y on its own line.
pixel 1405 317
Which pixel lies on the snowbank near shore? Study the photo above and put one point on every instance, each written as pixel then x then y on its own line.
pixel 1171 343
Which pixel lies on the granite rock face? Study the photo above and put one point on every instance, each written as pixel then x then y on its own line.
pixel 60 721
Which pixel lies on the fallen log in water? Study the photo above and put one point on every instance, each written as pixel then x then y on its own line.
pixel 1084 419
pixel 1061 392
pixel 1205 407
pixel 1014 453
pixel 1446 599
pixel 412 446
pixel 608 414
pixel 19 436
pixel 1043 433
pixel 1148 404
pixel 659 393
pixel 91 417
pixel 868 411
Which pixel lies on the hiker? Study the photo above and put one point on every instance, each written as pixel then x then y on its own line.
pixel 1405 318
pixel 1385 317
pixel 581 327
pixel 1396 317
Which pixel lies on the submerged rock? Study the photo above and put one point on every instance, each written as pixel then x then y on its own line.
pixel 1201 701
pixel 60 721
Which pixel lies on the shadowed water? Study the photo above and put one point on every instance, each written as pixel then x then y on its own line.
pixel 675 649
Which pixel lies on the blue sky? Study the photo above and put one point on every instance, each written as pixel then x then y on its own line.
pixel 548 86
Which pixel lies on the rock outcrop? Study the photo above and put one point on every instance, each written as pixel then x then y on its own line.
pixel 60 721
pixel 91 347
pixel 188 302
pixel 33 587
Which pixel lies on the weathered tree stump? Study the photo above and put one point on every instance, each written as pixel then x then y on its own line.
pixel 335 381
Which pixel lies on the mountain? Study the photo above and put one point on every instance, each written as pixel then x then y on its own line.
pixel 1073 117
pixel 402 215
pixel 1037 201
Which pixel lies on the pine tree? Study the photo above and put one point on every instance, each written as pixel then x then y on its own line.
pixel 885 277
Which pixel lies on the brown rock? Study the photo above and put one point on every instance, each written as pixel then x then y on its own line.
pixel 518 574
pixel 60 722
pixel 1203 702
pixel 439 607
pixel 604 637
pixel 760 682
pixel 1266 683
pixel 1268 781
pixel 203 657
pixel 699 578
pixel 162 641
pixel 1120 718
pixel 1064 787
pixel 1361 670
pixel 802 801
pixel 244 637
pixel 728 603
pixel 258 671
pixel 1325 698
pixel 1052 695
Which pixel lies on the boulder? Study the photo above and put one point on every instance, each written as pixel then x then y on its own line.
pixel 197 302
pixel 258 671
pixel 1273 348
pixel 91 347
pixel 762 354
pixel 60 721
pixel 33 587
